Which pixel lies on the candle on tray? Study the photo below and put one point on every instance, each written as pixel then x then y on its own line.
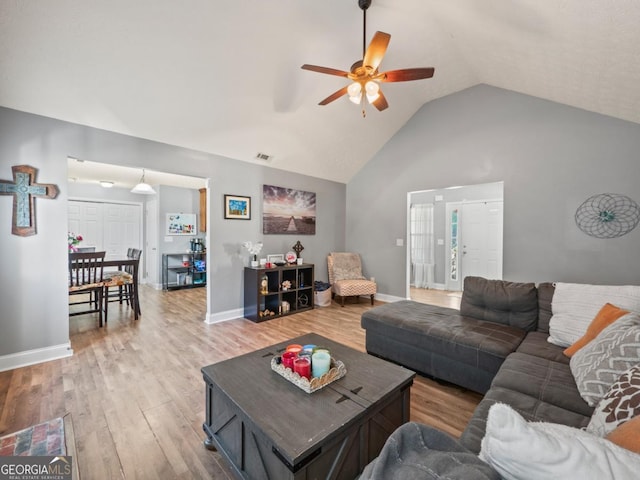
pixel 302 366
pixel 294 348
pixel 321 362
pixel 288 358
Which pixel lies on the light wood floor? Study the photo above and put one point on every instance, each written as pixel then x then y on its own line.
pixel 136 395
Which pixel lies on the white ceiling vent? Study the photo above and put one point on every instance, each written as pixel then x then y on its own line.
pixel 263 156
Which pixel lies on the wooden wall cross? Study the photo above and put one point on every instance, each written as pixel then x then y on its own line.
pixel 24 191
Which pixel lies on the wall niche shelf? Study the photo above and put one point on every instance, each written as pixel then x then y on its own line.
pixel 275 302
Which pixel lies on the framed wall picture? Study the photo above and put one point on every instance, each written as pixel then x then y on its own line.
pixel 181 224
pixel 237 207
pixel 288 211
pixel 276 258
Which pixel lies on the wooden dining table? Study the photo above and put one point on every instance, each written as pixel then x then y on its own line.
pixel 122 264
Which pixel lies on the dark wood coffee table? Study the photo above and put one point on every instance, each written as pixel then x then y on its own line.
pixel 268 428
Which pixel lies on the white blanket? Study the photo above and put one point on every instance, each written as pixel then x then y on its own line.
pixel 575 305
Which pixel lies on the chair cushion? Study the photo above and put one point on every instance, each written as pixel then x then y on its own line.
pixel 346 266
pixel 349 288
pixel 116 280
pixel 85 287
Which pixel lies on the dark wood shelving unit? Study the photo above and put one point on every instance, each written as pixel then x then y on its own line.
pixel 299 298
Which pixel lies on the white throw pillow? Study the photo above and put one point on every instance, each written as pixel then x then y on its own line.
pixel 575 305
pixel 517 449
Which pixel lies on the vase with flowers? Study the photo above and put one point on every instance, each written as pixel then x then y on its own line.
pixel 254 250
pixel 74 240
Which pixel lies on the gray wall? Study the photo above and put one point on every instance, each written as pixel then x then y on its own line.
pixel 36 267
pixel 175 200
pixel 551 158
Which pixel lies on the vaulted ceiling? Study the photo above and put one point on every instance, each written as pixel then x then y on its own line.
pixel 223 76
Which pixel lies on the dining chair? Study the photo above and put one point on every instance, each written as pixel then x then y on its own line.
pixel 86 278
pixel 123 279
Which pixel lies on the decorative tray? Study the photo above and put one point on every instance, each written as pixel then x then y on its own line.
pixel 337 370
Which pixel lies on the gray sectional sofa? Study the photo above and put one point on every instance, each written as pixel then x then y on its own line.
pixel 496 344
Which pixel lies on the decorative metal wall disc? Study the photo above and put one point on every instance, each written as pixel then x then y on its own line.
pixel 608 215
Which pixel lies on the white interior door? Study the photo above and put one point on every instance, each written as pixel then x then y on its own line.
pixel 151 245
pixel 121 228
pixel 85 218
pixel 481 239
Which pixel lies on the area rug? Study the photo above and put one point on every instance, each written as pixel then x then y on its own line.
pixel 43 439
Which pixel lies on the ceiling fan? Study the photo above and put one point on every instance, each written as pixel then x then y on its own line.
pixel 364 73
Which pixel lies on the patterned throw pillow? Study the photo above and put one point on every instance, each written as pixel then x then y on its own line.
pixel 621 403
pixel 598 365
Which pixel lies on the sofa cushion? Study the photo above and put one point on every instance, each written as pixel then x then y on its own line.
pixel 545 297
pixel 619 405
pixel 599 364
pixel 499 301
pixel 535 343
pixel 531 408
pixel 545 380
pixel 518 449
pixel 444 332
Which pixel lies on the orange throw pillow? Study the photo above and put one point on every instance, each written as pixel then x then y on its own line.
pixel 605 317
pixel 627 435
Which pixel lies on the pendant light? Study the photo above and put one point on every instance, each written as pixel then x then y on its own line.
pixel 143 188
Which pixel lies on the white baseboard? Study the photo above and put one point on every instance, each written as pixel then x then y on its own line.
pixel 224 316
pixel 388 298
pixel 38 355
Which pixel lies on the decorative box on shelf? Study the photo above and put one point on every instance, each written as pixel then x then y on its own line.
pixel 337 371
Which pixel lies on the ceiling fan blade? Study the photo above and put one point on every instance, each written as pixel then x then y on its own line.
pixel 328 71
pixel 376 50
pixel 334 96
pixel 407 74
pixel 381 102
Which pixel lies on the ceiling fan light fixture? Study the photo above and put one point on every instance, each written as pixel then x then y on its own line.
pixel 143 188
pixel 355 92
pixel 373 91
pixel 364 73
